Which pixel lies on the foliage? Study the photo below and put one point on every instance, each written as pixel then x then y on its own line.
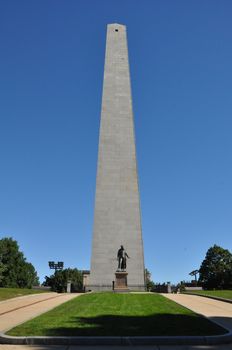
pixel 181 286
pixel 116 314
pixel 148 282
pixel 58 281
pixel 2 269
pixel 15 270
pixel 216 269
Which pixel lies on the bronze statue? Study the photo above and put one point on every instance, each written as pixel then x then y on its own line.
pixel 121 256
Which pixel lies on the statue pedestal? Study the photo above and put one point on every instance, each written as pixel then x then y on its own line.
pixel 121 281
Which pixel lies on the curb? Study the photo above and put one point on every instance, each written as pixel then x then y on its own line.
pixel 156 340
pixel 210 297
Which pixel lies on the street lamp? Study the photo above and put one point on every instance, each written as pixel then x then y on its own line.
pixel 194 273
pixel 56 266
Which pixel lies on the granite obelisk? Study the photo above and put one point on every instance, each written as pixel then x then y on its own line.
pixel 117 220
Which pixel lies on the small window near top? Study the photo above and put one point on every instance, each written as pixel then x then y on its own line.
pixel 116 30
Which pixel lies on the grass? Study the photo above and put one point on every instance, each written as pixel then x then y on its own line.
pixel 108 314
pixel 8 293
pixel 227 294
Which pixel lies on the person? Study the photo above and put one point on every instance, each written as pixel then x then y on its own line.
pixel 121 256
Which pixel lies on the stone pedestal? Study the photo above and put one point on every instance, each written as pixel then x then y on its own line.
pixel 69 286
pixel 169 289
pixel 120 284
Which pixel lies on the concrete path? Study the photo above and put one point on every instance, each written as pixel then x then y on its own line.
pixel 18 310
pixel 217 311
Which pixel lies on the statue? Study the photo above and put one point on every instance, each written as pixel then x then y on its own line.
pixel 121 256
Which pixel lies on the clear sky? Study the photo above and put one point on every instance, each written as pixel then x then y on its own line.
pixel 51 74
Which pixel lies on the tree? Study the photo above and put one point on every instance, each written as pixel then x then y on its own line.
pixel 58 281
pixel 2 269
pixel 216 268
pixel 148 282
pixel 16 271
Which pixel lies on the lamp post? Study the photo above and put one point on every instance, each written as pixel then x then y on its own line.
pixel 56 266
pixel 194 273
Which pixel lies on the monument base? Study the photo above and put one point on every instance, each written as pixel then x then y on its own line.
pixel 120 284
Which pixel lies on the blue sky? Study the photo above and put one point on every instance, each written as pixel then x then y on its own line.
pixel 51 74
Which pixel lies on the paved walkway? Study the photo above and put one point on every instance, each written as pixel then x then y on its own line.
pixel 18 310
pixel 217 311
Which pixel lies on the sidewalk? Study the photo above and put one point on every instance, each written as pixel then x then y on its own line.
pixel 18 310
pixel 217 311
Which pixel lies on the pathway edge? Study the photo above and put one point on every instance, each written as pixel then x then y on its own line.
pixel 155 340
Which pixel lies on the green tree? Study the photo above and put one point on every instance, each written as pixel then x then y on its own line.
pixel 2 269
pixel 58 281
pixel 148 282
pixel 16 272
pixel 216 268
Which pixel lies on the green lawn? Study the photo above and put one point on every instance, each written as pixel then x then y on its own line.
pixel 227 294
pixel 108 314
pixel 8 293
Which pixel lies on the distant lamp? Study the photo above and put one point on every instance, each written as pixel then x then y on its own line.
pixel 56 266
pixel 194 273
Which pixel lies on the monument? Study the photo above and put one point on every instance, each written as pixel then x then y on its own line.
pixel 117 221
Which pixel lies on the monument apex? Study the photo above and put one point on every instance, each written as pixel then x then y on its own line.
pixel 117 219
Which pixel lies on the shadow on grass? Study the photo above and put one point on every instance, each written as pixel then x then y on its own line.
pixel 153 325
